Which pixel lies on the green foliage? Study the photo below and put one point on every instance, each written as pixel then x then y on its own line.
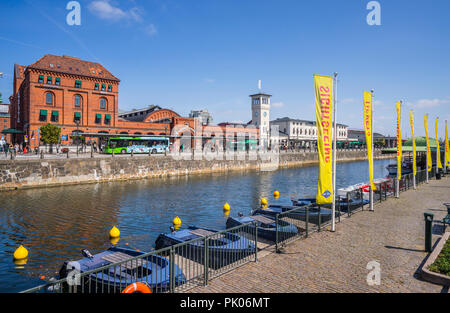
pixel 442 263
pixel 50 134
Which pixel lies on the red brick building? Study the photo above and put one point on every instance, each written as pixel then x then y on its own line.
pixel 80 95
pixel 5 121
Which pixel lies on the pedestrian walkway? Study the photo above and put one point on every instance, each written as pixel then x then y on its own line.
pixel 393 235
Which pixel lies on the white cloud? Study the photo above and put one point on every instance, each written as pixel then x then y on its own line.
pixel 348 101
pixel 378 103
pixel 151 30
pixel 210 80
pixel 105 10
pixel 430 103
pixel 278 104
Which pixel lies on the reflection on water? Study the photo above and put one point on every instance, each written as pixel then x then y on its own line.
pixel 54 224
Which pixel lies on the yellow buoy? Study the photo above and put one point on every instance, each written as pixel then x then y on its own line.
pixel 263 201
pixel 114 232
pixel 226 207
pixel 276 193
pixel 176 222
pixel 20 262
pixel 20 253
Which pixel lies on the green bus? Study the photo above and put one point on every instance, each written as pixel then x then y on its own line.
pixel 245 145
pixel 122 145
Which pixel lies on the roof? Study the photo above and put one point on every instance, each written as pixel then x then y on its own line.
pixel 138 115
pixel 260 94
pixel 421 145
pixel 288 119
pixel 74 66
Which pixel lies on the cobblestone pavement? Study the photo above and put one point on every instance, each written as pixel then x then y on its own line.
pixel 393 235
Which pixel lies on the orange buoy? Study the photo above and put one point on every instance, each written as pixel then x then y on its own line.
pixel 137 288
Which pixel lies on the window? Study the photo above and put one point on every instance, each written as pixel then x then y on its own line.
pixel 96 86
pixel 49 98
pixel 102 103
pixel 55 116
pixel 41 79
pixel 110 88
pixel 77 117
pixel 43 115
pixel 49 80
pixel 77 101
pixel 103 87
pixel 78 84
pixel 107 119
pixel 57 81
pixel 98 118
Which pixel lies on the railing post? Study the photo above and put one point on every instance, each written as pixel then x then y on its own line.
pixel 319 219
pixel 348 204
pixel 361 195
pixel 339 208
pixel 307 218
pixel 206 260
pixel 172 270
pixel 256 241
pixel 276 233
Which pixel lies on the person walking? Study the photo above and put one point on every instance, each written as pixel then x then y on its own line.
pixel 5 148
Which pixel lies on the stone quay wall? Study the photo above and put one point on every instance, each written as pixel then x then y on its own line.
pixel 31 173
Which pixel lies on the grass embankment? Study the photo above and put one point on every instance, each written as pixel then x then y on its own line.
pixel 442 263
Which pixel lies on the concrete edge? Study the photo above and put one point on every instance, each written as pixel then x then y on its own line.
pixel 176 173
pixel 433 277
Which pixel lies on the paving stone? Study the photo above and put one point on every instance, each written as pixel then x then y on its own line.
pixel 393 235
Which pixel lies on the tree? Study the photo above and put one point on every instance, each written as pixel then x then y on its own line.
pixel 50 135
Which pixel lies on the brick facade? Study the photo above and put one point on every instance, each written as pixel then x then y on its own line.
pixel 62 90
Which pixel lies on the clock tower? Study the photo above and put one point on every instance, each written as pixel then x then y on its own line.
pixel 261 116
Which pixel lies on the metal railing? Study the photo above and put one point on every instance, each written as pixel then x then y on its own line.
pixel 190 264
pixel 176 268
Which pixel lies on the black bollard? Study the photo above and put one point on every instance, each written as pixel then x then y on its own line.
pixel 428 231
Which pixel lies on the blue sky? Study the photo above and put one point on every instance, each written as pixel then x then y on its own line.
pixel 195 54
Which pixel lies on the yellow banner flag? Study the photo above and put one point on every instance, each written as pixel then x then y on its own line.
pixel 399 140
pixel 323 86
pixel 429 162
pixel 447 147
pixel 367 116
pixel 438 150
pixel 414 143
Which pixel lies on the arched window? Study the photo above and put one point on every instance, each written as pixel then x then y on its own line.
pixel 77 101
pixel 102 103
pixel 49 98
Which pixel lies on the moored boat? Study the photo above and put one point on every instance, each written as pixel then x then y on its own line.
pixel 152 270
pixel 392 169
pixel 223 248
pixel 299 213
pixel 266 226
pixel 341 203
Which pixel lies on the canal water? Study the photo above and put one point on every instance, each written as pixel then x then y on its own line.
pixel 54 224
